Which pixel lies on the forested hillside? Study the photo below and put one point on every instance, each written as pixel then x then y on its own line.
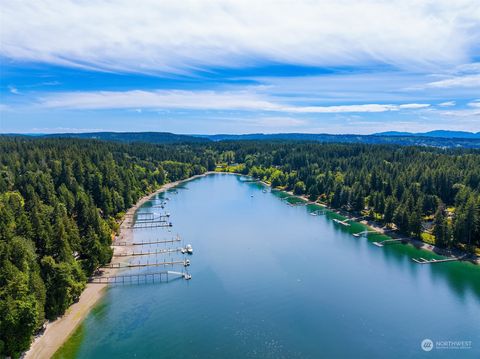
pixel 60 201
pixel 399 186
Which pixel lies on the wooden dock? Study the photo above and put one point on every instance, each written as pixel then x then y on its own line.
pixel 151 224
pixel 148 253
pixel 183 262
pixel 343 223
pixel 146 243
pixel 365 232
pixel 391 241
pixel 154 277
pixel 157 218
pixel 432 261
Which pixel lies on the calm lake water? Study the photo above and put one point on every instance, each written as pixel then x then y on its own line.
pixel 271 281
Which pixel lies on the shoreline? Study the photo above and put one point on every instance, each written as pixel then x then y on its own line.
pixel 375 226
pixel 58 331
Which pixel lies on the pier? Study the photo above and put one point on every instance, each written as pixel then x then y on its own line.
pixel 432 261
pixel 145 243
pixel 149 253
pixel 365 232
pixel 163 276
pixel 318 212
pixel 391 241
pixel 184 262
pixel 343 223
pixel 153 218
pixel 151 224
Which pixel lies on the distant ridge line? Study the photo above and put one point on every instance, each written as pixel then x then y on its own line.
pixel 439 138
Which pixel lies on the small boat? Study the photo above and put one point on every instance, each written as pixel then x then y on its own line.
pixel 251 195
pixel 186 263
pixel 183 250
pixel 313 213
pixel 187 276
pixel 264 191
pixel 189 249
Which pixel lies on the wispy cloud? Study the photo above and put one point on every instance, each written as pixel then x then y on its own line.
pixel 64 130
pixel 183 36
pixel 457 81
pixel 447 104
pixel 13 90
pixel 475 103
pixel 202 100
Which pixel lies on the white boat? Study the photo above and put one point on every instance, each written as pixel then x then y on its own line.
pixel 186 263
pixel 264 191
pixel 189 248
pixel 187 276
pixel 183 250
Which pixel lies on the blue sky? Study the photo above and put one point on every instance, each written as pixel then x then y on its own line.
pixel 239 66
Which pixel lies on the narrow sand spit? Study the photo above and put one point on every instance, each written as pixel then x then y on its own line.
pixel 58 331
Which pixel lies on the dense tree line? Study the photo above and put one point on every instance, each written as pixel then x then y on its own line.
pixel 403 187
pixel 61 199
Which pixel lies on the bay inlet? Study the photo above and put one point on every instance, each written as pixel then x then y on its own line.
pixel 271 281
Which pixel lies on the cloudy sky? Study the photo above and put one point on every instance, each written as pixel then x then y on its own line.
pixel 345 66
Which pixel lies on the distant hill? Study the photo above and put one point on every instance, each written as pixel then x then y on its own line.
pixel 442 139
pixel 396 139
pixel 150 137
pixel 436 133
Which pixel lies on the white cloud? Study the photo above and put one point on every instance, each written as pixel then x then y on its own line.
pixel 457 81
pixel 201 100
pixel 475 104
pixel 465 113
pixel 64 130
pixel 180 36
pixel 13 90
pixel 276 122
pixel 447 104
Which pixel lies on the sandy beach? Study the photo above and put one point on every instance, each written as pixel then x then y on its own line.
pixel 58 331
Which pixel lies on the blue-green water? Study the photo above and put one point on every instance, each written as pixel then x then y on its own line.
pixel 271 281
